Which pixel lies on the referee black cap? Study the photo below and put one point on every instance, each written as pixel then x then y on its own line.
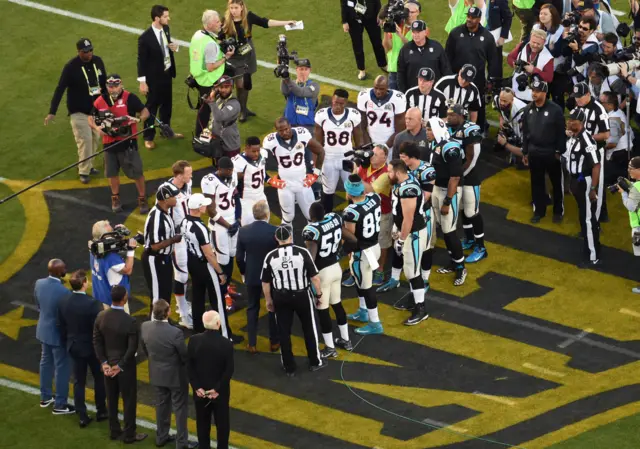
pixel 84 45
pixel 418 25
pixel 166 191
pixel 427 74
pixel 468 72
pixel 538 84
pixel 577 114
pixel 283 232
pixel 474 11
pixel 580 90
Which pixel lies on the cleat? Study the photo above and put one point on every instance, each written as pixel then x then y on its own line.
pixel 467 244
pixel 349 282
pixel 388 286
pixel 370 329
pixel 344 344
pixel 461 275
pixel 186 322
pixel 405 303
pixel 378 278
pixel 446 270
pixel 328 352
pixel 477 255
pixel 419 314
pixel 361 315
pixel 318 367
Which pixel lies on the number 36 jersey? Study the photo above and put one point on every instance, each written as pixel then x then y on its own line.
pixel 338 130
pixel 381 112
pixel 366 215
pixel 223 195
pixel 289 154
pixel 327 234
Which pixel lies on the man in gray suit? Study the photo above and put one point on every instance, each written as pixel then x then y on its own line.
pixel 48 293
pixel 164 345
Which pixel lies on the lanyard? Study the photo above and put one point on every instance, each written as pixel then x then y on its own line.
pixel 87 78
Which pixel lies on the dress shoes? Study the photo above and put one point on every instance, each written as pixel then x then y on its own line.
pixel 149 144
pixel 275 347
pixel 136 438
pixel 85 421
pixel 102 416
pixel 169 439
pixel 190 445
pixel 252 350
pixel 176 136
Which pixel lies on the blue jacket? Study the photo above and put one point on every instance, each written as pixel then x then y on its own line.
pixel 306 103
pixel 48 293
pixel 254 243
pixel 101 285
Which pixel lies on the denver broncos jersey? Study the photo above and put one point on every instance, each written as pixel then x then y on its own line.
pixel 223 193
pixel 409 188
pixel 447 161
pixel 327 234
pixel 469 134
pixel 338 131
pixel 381 112
pixel 366 215
pixel 253 174
pixel 289 154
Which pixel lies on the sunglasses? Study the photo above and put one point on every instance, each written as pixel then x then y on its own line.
pixel 584 28
pixel 113 82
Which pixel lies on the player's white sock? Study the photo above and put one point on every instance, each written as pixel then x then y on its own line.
pixel 344 331
pixel 418 295
pixel 373 315
pixel 425 275
pixel 328 339
pixel 363 303
pixel 183 304
pixel 395 273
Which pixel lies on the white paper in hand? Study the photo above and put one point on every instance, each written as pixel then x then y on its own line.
pixel 296 26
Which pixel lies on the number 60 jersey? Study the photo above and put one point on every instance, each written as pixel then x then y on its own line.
pixel 289 154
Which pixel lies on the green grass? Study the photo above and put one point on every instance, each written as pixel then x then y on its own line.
pixel 26 425
pixel 622 434
pixel 12 219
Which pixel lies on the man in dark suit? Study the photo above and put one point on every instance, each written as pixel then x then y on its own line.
pixel 259 238
pixel 156 70
pixel 77 314
pixel 499 16
pixel 115 340
pixel 210 371
pixel 164 345
pixel 48 293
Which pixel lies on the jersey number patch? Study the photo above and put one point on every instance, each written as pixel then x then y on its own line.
pixel 342 139
pixel 286 161
pixel 371 223
pixel 329 243
pixel 384 120
pixel 257 179
pixel 226 201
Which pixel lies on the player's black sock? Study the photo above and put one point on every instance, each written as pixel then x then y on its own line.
pixel 478 230
pixel 370 298
pixel 325 321
pixel 327 202
pixel 427 260
pixel 179 288
pixel 455 248
pixel 341 315
pixel 468 227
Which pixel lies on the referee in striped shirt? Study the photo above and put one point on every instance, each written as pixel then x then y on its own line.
pixel 461 89
pixel 159 237
pixel 287 274
pixel 431 102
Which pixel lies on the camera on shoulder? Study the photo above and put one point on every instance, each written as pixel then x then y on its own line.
pixel 360 157
pixel 111 125
pixel 283 57
pixel 621 182
pixel 116 241
pixel 395 14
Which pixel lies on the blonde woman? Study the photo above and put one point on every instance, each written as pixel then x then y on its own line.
pixel 238 22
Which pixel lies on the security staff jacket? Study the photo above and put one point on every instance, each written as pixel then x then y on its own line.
pixel 478 49
pixel 543 129
pixel 412 58
pixel 78 86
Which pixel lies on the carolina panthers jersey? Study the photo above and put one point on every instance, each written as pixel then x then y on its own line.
pixel 338 130
pixel 366 215
pixel 180 210
pixel 425 174
pixel 253 174
pixel 289 154
pixel 380 113
pixel 469 134
pixel 447 161
pixel 224 193
pixel 409 188
pixel 327 234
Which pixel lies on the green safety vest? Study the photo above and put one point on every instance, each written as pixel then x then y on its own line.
pixel 197 65
pixel 634 217
pixel 458 16
pixel 396 46
pixel 523 4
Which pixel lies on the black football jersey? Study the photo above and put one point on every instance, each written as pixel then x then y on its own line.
pixel 327 234
pixel 469 134
pixel 447 161
pixel 366 215
pixel 409 188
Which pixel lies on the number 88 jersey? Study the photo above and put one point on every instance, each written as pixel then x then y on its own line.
pixel 327 234
pixel 381 112
pixel 338 130
pixel 366 215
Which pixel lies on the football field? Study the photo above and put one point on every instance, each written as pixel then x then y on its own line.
pixel 531 352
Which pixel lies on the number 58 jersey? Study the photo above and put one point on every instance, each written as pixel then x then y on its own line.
pixel 327 234
pixel 366 215
pixel 289 154
pixel 380 112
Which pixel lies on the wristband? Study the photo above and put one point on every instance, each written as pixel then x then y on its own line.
pixel 317 172
pixel 131 253
pixel 216 218
pixel 447 201
pixel 594 187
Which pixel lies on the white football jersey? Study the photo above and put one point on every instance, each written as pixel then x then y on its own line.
pixel 181 210
pixel 338 131
pixel 381 113
pixel 254 173
pixel 289 154
pixel 223 195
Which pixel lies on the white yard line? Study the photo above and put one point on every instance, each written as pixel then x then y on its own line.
pixel 543 370
pixel 630 312
pixel 572 340
pixel 493 398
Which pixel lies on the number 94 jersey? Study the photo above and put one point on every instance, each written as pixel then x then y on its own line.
pixel 338 131
pixel 327 234
pixel 289 154
pixel 381 112
pixel 366 215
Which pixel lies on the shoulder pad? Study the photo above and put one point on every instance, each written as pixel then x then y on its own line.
pixel 409 190
pixel 350 213
pixel 310 233
pixel 451 150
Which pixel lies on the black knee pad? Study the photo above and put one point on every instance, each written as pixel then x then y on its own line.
pixel 341 315
pixel 179 288
pixel 417 283
pixel 427 259
pixel 325 321
pixel 397 261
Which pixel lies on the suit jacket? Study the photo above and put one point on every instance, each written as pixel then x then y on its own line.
pixel 499 15
pixel 254 243
pixel 151 59
pixel 77 315
pixel 115 338
pixel 210 361
pixel 48 293
pixel 164 345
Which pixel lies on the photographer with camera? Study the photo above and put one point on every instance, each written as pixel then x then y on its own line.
pixel 223 130
pixel 207 61
pixel 113 116
pixel 511 111
pixel 530 59
pixel 616 149
pixel 301 95
pixel 582 47
pixel 582 161
pixel 630 194
pixel 396 29
pixel 600 82
pixel 109 268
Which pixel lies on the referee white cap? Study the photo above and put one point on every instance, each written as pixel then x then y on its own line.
pixel 197 200
pixel 166 191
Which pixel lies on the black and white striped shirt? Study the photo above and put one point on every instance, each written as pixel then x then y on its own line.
pixel 289 268
pixel 469 96
pixel 597 120
pixel 581 155
pixel 195 235
pixel 158 227
pixel 434 104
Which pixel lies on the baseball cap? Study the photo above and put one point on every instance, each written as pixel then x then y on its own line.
pixel 474 12
pixel 303 63
pixel 585 4
pixel 224 79
pixel 577 114
pixel 84 45
pixel 468 72
pixel 580 90
pixel 427 74
pixel 540 85
pixel 166 191
pixel 418 25
pixel 114 78
pixel 283 232
pixel 456 108
pixel 197 200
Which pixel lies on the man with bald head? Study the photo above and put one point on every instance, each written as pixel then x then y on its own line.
pixel 414 132
pixel 382 112
pixel 210 370
pixel 54 360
